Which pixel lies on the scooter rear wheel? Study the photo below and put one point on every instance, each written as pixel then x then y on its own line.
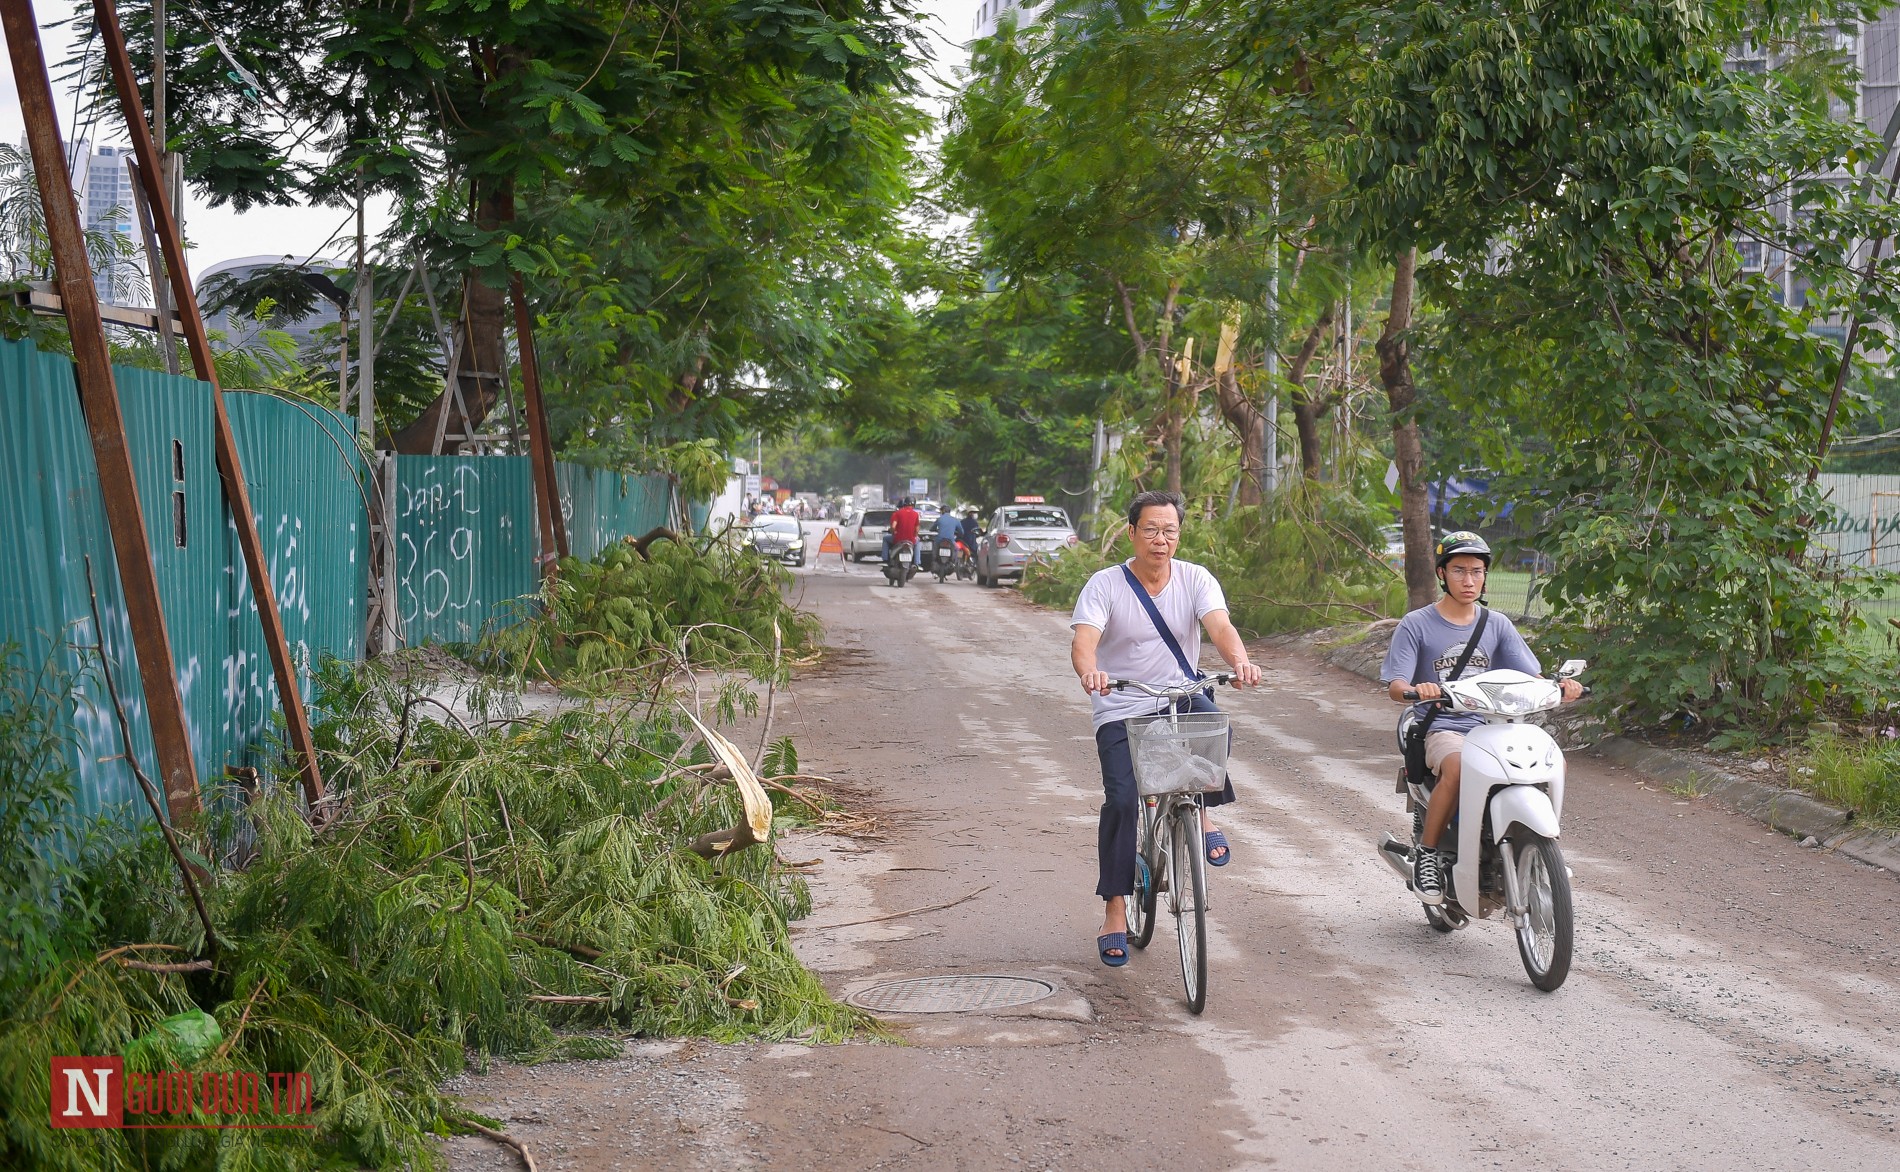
pixel 1545 941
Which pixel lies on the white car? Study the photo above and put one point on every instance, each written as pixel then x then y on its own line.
pixel 1016 534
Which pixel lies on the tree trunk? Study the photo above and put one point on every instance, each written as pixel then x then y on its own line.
pixel 1309 406
pixel 1395 371
pixel 1174 418
pixel 484 352
pixel 1242 414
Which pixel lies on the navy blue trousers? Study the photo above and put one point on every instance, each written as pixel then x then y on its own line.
pixel 1121 805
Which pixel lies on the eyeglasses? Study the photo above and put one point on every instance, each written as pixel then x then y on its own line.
pixel 1149 533
pixel 1469 575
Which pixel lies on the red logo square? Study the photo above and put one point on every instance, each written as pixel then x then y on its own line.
pixel 87 1092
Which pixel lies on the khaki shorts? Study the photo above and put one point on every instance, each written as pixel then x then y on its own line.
pixel 1440 745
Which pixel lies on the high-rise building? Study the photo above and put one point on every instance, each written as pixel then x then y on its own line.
pixel 989 12
pixel 105 203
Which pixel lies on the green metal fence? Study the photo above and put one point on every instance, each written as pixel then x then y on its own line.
pixel 466 541
pixel 602 507
pixel 304 475
pixel 464 532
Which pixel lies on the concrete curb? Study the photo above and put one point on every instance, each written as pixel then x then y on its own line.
pixel 1789 811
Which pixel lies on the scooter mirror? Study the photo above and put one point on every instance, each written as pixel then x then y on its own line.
pixel 1572 668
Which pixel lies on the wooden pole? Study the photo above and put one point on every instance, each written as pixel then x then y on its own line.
pixel 540 443
pixel 99 400
pixel 230 468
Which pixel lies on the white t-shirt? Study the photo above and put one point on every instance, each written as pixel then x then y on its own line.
pixel 1131 648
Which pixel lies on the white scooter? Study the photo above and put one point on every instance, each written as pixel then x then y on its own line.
pixel 1510 797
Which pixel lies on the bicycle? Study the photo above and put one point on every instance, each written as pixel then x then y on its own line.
pixel 1178 756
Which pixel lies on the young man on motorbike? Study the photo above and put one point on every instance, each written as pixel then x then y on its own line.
pixel 1427 647
pixel 1153 637
pixel 966 532
pixel 903 527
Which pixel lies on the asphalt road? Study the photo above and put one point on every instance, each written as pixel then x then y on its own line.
pixel 1734 1002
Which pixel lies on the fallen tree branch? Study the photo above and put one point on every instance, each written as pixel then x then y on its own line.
pixel 568 999
pixel 242 1020
pixel 503 1138
pixel 916 911
pixel 580 950
pixel 657 533
pixel 183 966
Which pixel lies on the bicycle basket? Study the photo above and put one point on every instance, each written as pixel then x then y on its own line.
pixel 1186 753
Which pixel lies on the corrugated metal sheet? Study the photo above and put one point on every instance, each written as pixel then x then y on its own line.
pixel 51 518
pixel 465 544
pixel 603 507
pixel 52 521
pixel 308 485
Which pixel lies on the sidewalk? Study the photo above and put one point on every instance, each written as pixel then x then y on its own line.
pixel 1790 811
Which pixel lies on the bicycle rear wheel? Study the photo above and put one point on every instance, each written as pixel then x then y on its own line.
pixel 1141 902
pixel 1188 886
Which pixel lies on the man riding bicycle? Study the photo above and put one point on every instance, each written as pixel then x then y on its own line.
pixel 1142 620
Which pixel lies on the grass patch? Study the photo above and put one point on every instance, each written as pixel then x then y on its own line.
pixel 1858 775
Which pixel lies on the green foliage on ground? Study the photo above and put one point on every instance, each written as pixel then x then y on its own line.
pixel 1855 774
pixel 472 873
pixel 705 603
pixel 1307 559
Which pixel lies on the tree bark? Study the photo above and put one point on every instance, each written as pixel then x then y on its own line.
pixel 484 354
pixel 1395 372
pixel 1173 417
pixel 1309 407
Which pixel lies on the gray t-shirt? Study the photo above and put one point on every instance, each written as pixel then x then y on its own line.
pixel 1425 648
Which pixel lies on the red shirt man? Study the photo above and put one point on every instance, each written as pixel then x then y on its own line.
pixel 904 524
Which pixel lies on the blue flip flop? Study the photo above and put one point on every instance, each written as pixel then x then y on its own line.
pixel 1113 940
pixel 1215 840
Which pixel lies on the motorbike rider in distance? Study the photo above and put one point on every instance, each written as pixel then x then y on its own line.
pixel 947 534
pixel 1426 646
pixel 966 532
pixel 903 527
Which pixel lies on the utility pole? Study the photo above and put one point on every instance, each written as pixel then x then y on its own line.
pixel 365 325
pixel 1270 410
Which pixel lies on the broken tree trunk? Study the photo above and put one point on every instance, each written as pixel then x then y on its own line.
pixel 756 828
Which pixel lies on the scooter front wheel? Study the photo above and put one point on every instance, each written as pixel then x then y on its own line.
pixel 1544 940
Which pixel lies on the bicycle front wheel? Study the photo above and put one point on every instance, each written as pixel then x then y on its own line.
pixel 1189 890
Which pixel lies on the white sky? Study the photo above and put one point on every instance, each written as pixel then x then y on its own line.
pixel 216 234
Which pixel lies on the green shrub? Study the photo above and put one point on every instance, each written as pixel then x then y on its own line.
pixel 625 611
pixel 1307 559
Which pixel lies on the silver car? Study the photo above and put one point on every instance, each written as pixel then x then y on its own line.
pixel 866 538
pixel 1018 533
pixel 778 537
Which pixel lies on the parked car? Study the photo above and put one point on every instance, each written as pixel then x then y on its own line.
pixel 778 537
pixel 1016 534
pixel 866 538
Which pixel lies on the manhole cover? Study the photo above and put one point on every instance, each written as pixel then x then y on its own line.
pixel 950 994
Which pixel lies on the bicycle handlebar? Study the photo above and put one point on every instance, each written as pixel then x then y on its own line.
pixel 1177 691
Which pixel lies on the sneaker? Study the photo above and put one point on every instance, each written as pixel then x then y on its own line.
pixel 1428 876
